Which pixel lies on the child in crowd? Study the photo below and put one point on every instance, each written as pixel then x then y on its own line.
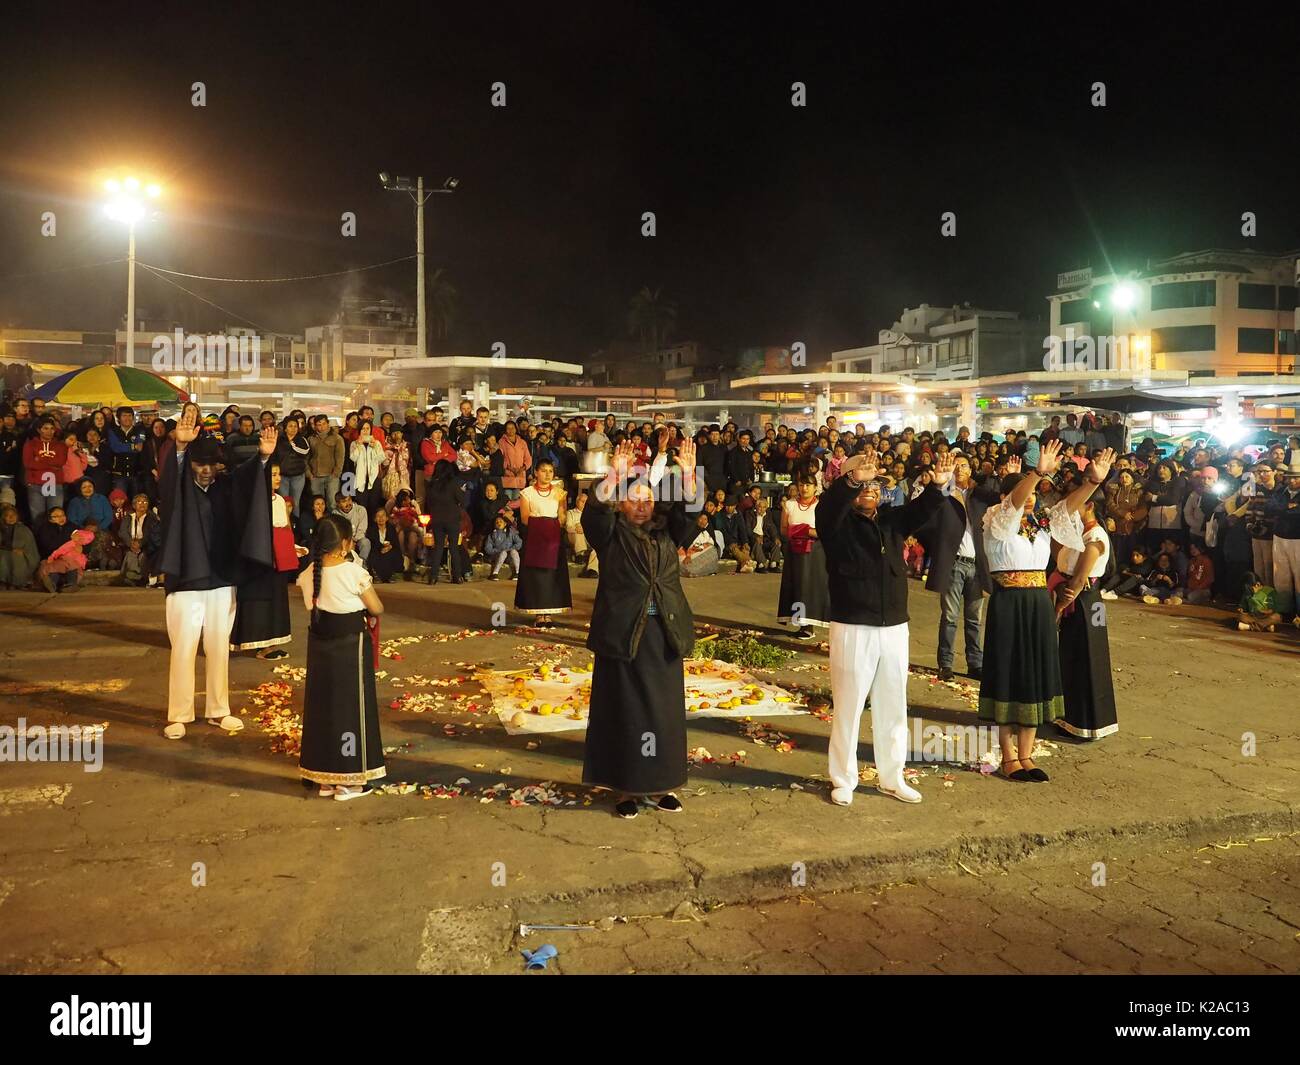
pixel 1257 611
pixel 502 543
pixel 1161 585
pixel 1200 575
pixel 1133 575
pixel 914 556
pixel 133 572
pixel 62 570
pixel 103 551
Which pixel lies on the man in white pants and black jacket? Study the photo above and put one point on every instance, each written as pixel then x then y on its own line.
pixel 869 638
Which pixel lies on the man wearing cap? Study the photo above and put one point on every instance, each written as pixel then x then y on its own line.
pixel 216 529
pixel 868 619
pixel 1285 512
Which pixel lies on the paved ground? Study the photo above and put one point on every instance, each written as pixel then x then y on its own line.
pixel 98 870
pixel 1225 908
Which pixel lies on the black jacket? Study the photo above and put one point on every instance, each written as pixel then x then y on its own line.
pixel 943 533
pixel 626 581
pixel 864 556
pixel 740 466
pixel 713 459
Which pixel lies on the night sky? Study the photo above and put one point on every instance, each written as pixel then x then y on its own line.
pixel 775 223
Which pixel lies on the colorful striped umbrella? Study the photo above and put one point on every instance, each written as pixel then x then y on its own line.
pixel 116 386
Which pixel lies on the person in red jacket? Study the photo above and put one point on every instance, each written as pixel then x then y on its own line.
pixel 434 448
pixel 43 460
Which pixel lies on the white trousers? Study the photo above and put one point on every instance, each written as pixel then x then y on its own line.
pixel 191 615
pixel 1286 575
pixel 869 660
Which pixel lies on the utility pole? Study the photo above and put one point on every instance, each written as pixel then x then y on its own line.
pixel 418 194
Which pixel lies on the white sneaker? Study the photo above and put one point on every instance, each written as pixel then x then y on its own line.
pixel 343 793
pixel 326 791
pixel 900 791
pixel 175 731
pixel 842 796
pixel 1150 599
pixel 1109 595
pixel 227 723
pixel 1243 627
pixel 1174 600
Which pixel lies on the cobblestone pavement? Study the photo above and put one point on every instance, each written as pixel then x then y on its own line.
pixel 1215 909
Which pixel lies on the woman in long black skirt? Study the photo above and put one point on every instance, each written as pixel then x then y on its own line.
pixel 1085 644
pixel 1021 687
pixel 805 597
pixel 641 630
pixel 543 588
pixel 341 747
pixel 262 597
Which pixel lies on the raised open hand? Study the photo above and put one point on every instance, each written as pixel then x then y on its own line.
pixel 266 445
pixel 943 468
pixel 1049 458
pixel 187 428
pixel 686 455
pixel 1100 468
pixel 622 458
pixel 1013 464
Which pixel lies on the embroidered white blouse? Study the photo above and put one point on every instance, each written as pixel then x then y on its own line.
pixel 1008 550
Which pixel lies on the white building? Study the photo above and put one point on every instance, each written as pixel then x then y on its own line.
pixel 1212 313
pixel 948 344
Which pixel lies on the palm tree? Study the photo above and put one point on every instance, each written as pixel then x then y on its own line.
pixel 651 318
pixel 441 299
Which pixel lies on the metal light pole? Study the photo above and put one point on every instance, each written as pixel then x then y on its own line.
pixel 130 295
pixel 126 206
pixel 418 194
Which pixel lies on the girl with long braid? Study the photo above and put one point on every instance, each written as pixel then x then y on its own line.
pixel 341 747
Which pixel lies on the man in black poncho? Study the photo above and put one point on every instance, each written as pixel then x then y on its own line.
pixel 641 630
pixel 216 526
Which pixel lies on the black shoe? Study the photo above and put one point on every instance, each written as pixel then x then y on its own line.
pixel 975 672
pixel 495 577
pixel 805 633
pixel 670 804
pixel 945 673
pixel 628 809
pixel 1023 776
pixel 1036 774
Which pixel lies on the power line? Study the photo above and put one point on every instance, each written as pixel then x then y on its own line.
pixel 224 310
pixel 275 280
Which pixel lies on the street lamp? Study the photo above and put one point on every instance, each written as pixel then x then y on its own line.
pixel 128 204
pixel 419 195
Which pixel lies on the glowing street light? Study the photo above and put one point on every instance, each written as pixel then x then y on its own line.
pixel 126 206
pixel 1123 296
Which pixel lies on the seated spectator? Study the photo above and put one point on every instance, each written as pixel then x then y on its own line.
pixel 700 557
pixel 405 517
pixel 579 550
pixel 503 544
pixel 61 570
pixel 1131 576
pixel 19 556
pixel 103 551
pixel 360 522
pixel 1257 611
pixel 86 504
pixel 764 535
pixel 135 567
pixel 735 535
pixel 1161 585
pixel 1200 576
pixel 386 560
pixel 914 556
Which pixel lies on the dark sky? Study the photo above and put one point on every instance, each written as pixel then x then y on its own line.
pixel 775 223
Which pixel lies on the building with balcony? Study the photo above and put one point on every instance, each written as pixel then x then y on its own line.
pixel 931 343
pixel 1212 313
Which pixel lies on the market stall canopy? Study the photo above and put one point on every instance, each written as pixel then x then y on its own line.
pixel 1133 401
pixel 116 386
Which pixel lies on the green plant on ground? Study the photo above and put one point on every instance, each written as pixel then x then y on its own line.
pixel 749 652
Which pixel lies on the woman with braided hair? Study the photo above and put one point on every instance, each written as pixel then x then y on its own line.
pixel 341 747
